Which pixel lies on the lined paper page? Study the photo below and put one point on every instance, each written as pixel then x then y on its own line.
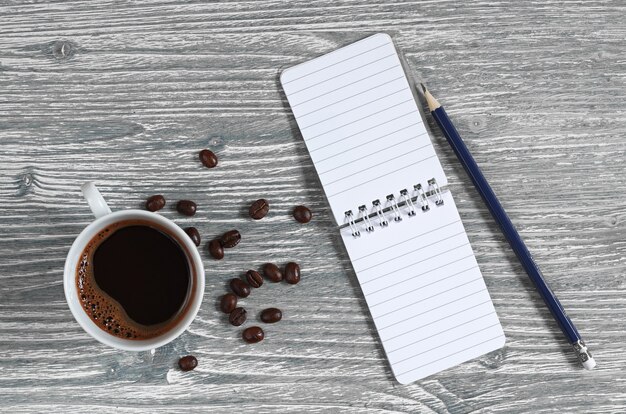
pixel 425 292
pixel 359 120
pixel 419 276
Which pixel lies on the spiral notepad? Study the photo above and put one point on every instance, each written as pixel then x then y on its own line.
pixel 397 218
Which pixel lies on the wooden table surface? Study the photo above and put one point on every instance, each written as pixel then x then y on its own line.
pixel 127 93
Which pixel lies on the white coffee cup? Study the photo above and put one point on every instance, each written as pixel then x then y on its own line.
pixel 104 218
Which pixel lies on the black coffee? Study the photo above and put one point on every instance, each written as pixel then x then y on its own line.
pixel 134 280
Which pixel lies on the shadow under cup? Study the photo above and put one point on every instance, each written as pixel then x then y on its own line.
pixel 108 321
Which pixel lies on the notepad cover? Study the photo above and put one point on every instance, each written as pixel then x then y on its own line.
pixel 364 132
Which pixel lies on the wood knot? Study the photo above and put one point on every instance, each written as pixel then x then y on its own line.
pixel 27 179
pixel 478 124
pixel 216 142
pixel 63 49
pixel 25 182
pixel 494 359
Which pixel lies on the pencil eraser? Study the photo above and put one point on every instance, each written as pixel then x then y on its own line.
pixel 589 364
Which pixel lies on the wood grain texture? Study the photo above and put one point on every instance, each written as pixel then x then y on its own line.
pixel 126 94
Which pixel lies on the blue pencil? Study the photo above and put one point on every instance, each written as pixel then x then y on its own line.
pixel 511 234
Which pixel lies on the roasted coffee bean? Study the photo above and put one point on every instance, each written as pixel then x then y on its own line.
pixel 155 203
pixel 253 334
pixel 240 288
pixel 186 207
pixel 237 317
pixel 230 238
pixel 208 158
pixel 302 214
pixel 194 235
pixel 187 363
pixel 216 249
pixel 292 273
pixel 271 315
pixel 254 279
pixel 259 209
pixel 272 272
pixel 228 303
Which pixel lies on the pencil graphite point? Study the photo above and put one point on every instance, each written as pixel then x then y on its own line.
pixel 430 99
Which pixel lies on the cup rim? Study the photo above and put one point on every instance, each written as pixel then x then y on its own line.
pixel 71 293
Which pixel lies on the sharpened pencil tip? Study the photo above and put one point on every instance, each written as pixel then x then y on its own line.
pixel 430 100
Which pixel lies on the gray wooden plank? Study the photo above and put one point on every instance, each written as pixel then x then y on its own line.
pixel 126 93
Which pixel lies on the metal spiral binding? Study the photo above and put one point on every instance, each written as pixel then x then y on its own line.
pixel 380 213
pixel 432 183
pixel 363 214
pixel 394 207
pixel 353 227
pixel 404 197
pixel 421 197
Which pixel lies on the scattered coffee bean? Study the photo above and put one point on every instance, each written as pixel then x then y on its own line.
pixel 228 303
pixel 186 207
pixel 302 214
pixel 292 273
pixel 240 288
pixel 253 334
pixel 194 235
pixel 208 158
pixel 216 249
pixel 272 272
pixel 271 315
pixel 254 279
pixel 187 363
pixel 237 317
pixel 230 238
pixel 259 209
pixel 155 203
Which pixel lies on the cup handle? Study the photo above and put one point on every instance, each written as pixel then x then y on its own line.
pixel 95 200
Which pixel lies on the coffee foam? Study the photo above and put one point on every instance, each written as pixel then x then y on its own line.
pixel 105 311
